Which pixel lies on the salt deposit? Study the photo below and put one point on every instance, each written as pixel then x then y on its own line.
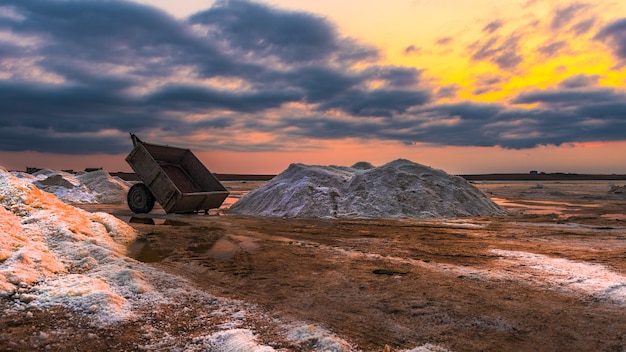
pixel 106 189
pixel 87 188
pixel 620 190
pixel 66 187
pixel 61 254
pixel 318 338
pixel 398 189
pixel 595 280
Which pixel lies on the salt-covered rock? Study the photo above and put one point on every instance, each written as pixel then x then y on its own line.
pixel 398 189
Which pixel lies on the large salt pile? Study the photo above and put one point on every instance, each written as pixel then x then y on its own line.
pixel 398 189
pixel 87 188
pixel 53 253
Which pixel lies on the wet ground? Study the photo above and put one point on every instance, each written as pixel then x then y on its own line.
pixel 550 276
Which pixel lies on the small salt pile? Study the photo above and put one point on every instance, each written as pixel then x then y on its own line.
pixel 105 188
pixel 96 187
pixel 398 189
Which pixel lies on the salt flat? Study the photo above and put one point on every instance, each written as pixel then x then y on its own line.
pixel 548 276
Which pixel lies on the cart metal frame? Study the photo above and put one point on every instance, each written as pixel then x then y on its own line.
pixel 174 177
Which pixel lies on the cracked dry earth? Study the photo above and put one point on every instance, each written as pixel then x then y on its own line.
pixel 551 276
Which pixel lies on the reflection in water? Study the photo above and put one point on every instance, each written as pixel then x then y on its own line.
pixel 143 251
pixel 227 247
pixel 223 249
pixel 141 220
pixel 170 222
pixel 152 221
pixel 156 247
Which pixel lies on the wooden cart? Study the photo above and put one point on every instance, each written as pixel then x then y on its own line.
pixel 174 177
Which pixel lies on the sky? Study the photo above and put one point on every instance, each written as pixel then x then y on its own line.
pixel 251 86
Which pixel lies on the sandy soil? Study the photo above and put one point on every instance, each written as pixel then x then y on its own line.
pixel 551 276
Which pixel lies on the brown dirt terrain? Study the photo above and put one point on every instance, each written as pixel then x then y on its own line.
pixel 512 283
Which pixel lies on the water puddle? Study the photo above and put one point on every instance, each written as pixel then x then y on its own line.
pixel 223 249
pixel 157 221
pixel 156 247
pixel 563 210
pixel 227 247
pixel 143 251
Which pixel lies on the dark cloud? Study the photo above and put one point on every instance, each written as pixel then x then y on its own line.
pixel 580 81
pixel 120 66
pixel 552 49
pixel 198 99
pixel 504 53
pixel 380 102
pixel 564 15
pixel 569 97
pixel 83 74
pixel 449 91
pixel 291 37
pixel 443 41
pixel 493 26
pixel 394 75
pixel 412 49
pixel 488 83
pixel 583 27
pixel 614 34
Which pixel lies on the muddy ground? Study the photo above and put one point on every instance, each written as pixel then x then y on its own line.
pixel 551 276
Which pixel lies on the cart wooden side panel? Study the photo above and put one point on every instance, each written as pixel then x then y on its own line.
pixel 176 178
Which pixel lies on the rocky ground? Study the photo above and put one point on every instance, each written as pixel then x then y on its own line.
pixel 551 276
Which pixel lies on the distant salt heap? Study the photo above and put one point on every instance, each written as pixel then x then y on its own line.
pixel 398 189
pixel 87 188
pixel 617 189
pixel 105 188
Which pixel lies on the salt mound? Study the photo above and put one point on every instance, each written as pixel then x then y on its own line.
pixel 106 189
pixel 89 188
pixel 398 189
pixel 53 253
pixel 617 189
pixel 65 186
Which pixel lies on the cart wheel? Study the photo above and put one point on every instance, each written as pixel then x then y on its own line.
pixel 140 199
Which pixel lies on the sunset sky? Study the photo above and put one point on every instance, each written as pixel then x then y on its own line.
pixel 251 86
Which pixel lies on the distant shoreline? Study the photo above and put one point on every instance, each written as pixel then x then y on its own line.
pixel 545 177
pixel 129 176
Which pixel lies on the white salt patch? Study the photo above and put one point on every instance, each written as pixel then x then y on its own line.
pixel 317 339
pixel 398 189
pixel 23 175
pixel 65 186
pixel 559 273
pixel 466 225
pixel 84 294
pixel 535 269
pixel 43 173
pixel 235 340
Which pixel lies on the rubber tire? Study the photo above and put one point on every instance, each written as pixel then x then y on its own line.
pixel 140 199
